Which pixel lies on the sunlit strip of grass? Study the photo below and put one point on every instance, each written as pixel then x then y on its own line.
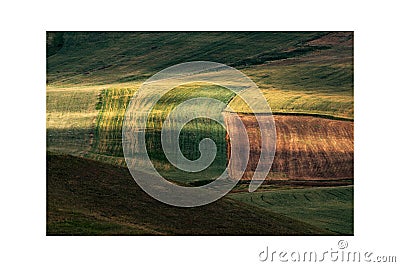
pixel 282 101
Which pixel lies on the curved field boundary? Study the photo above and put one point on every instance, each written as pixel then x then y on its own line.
pixel 317 115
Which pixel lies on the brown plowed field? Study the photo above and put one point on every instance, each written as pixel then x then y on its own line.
pixel 307 148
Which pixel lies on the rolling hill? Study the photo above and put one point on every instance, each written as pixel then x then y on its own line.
pixel 86 197
pixel 307 78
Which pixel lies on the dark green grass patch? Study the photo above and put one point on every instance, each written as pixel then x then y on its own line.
pixel 328 208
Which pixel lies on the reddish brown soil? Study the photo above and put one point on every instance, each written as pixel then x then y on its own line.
pixel 335 38
pixel 340 42
pixel 307 148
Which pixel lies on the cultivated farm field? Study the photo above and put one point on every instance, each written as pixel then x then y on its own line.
pixel 307 78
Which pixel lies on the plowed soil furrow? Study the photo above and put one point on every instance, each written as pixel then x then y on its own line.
pixel 307 147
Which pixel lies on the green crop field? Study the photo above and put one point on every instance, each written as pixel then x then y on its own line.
pixel 111 107
pixel 80 66
pixel 327 208
pixel 325 72
pixel 91 77
pixel 119 57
